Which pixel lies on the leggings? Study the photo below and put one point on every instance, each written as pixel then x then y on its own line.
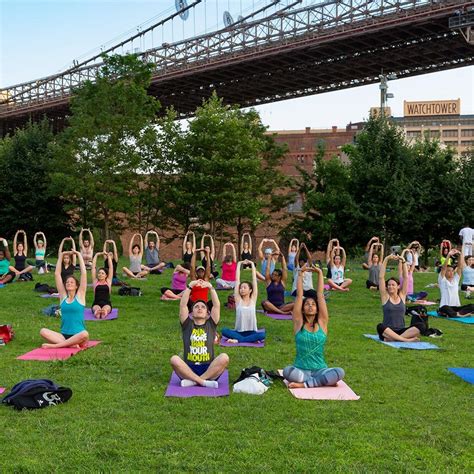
pixel 454 311
pixel 244 336
pixel 313 378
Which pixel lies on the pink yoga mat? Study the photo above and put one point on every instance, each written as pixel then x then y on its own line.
pixel 341 391
pixel 55 354
pixel 175 390
pixel 2 389
pixel 89 316
pixel 279 316
pixel 224 343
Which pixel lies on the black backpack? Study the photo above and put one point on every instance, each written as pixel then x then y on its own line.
pixel 36 393
pixel 129 291
pixel 45 288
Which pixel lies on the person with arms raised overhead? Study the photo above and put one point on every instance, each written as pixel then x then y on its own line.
pixel 199 366
pixel 86 246
pixel 310 327
pixel 72 295
pixel 152 254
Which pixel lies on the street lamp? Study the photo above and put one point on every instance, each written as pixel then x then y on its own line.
pixel 384 95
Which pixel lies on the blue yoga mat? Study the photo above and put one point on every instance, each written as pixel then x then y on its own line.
pixel 404 345
pixel 466 374
pixel 466 320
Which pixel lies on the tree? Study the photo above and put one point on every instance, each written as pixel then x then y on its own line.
pixel 24 185
pixel 98 162
pixel 228 169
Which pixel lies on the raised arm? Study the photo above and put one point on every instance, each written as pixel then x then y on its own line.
pixel 297 256
pixel 254 296
pixel 114 246
pixel 213 248
pixel 461 262
pixel 146 237
pixel 194 241
pixel 344 258
pixel 309 257
pixel 94 267
pixel 259 249
pixel 35 242
pixel 81 235
pixel 192 273
pixel 25 243
pixel 183 304
pixel 234 254
pixel 91 240
pixel 268 276
pixel 203 244
pixel 323 313
pixel 216 305
pixel 207 270
pixel 110 264
pixel 237 297
pixel 371 254
pixel 6 249
pixel 404 288
pixel 141 245
pixel 284 270
pixel 382 287
pixel 184 242
pixel 130 244
pixel 57 273
pixel 329 251
pixel 297 314
pixel 81 292
pixel 15 241
pixel 73 246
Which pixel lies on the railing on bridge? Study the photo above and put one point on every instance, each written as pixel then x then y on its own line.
pixel 240 39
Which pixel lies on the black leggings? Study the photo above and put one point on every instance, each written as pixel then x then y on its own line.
pixel 370 284
pixel 381 328
pixel 454 311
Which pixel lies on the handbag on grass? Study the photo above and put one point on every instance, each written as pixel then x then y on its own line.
pixel 6 333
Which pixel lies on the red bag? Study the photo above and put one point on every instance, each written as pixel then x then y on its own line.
pixel 6 333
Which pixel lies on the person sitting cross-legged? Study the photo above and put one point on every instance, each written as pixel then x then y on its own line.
pixel 199 366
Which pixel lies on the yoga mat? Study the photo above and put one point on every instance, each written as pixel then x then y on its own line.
pixel 279 316
pixel 54 354
pixel 466 374
pixel 2 389
pixel 89 316
pixel 466 320
pixel 404 345
pixel 224 343
pixel 47 295
pixel 341 391
pixel 175 390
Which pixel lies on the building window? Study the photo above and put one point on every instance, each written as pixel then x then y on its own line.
pixel 413 133
pixel 450 133
pixel 434 133
pixel 467 132
pixel 451 143
pixel 467 143
pixel 296 206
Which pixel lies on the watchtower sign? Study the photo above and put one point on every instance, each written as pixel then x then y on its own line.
pixel 430 108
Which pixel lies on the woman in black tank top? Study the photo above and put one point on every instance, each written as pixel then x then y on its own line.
pixel 393 306
pixel 21 250
pixel 102 282
pixel 246 249
pixel 188 246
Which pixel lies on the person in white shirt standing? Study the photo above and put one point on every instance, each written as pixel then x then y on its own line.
pixel 466 234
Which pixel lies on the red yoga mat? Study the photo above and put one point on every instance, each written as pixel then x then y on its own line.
pixel 55 354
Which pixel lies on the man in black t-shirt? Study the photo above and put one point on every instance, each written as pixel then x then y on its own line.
pixel 199 366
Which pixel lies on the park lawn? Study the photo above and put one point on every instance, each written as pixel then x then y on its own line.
pixel 413 415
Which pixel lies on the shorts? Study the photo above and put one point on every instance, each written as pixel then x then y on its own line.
pixel 307 294
pixel 40 263
pixel 381 328
pixel 370 284
pixel 173 290
pixel 199 369
pixel 67 336
pixel 155 272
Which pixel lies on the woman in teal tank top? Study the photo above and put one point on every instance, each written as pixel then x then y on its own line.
pixel 310 326
pixel 72 295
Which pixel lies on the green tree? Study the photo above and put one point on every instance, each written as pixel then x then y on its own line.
pixel 228 170
pixel 98 161
pixel 24 184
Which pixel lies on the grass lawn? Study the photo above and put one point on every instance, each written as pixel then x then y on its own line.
pixel 413 415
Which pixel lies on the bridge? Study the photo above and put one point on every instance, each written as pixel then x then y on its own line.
pixel 292 52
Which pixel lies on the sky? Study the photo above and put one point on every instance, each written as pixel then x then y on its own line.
pixel 42 37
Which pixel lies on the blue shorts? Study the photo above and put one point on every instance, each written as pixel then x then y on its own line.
pixel 199 369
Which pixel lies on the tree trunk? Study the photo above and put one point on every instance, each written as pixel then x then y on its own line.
pixel 106 224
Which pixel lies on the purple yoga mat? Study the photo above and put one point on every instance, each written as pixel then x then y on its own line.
pixel 89 316
pixel 279 316
pixel 175 390
pixel 224 343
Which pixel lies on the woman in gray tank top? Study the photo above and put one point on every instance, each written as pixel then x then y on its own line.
pixel 374 266
pixel 393 306
pixel 135 252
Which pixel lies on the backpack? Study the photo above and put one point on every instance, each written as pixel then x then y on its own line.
pixel 419 315
pixel 129 291
pixel 230 302
pixel 36 393
pixel 253 381
pixel 45 288
pixel 6 333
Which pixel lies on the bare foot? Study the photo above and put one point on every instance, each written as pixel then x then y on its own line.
pixel 48 346
pixel 296 385
pixel 232 341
